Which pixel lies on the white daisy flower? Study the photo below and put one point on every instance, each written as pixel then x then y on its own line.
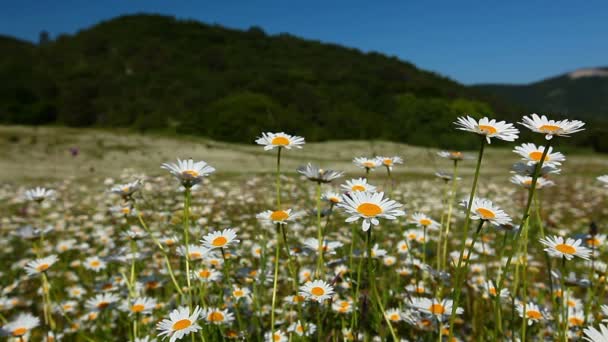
pixel 328 247
pixel 280 140
pixel 526 182
pixel 359 184
pixel 332 197
pixel 143 305
pixel 491 291
pixel 179 324
pixel 594 335
pixel 317 290
pixel 188 172
pixel 366 163
pixel 576 317
pixel 342 306
pixel 568 248
pixel 526 169
pixel 604 180
pixel 422 221
pixel 217 316
pixel 370 206
pixel 101 301
pixel 316 174
pixel 194 252
pixel 278 216
pixel 532 154
pixel 126 190
pixel 94 263
pixel 403 247
pixel 40 265
pixel 540 124
pixel 452 155
pixel 220 239
pixel 484 209
pixel 436 307
pixel 208 274
pixel 393 315
pixel 277 336
pixel 39 194
pixel 389 162
pixel 241 293
pixel 533 313
pixel 23 324
pixel 302 330
pixel 488 128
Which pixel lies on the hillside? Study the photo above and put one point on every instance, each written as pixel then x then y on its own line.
pixel 152 72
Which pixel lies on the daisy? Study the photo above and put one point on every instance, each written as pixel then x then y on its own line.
pixel 576 317
pixel 316 174
pixel 484 209
pixel 370 206
pixel 552 127
pixel 389 162
pixel 208 274
pixel 332 197
pixel 594 335
pixel 194 252
pixel 94 263
pixel 342 306
pixel 369 164
pixel 220 239
pixel 452 155
pixel 40 265
pixel 277 336
pixel 423 221
pixel 328 247
pixel 126 190
pixel 179 324
pixel 526 182
pixel 436 307
pixel 488 128
pixel 403 247
pixel 359 184
pixel 393 315
pixel 24 323
pixel 302 330
pixel 217 316
pixel 568 248
pixel 532 154
pixel 491 291
pixel 533 313
pixel 188 172
pixel 604 180
pixel 278 216
pixel 39 194
pixel 143 305
pixel 101 301
pixel 240 293
pixel 317 290
pixel 280 140
pixel 526 169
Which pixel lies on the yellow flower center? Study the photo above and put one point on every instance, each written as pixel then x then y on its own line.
pixel 533 314
pixel 548 128
pixel 215 316
pixel 238 293
pixel 103 305
pixel 298 299
pixel 181 324
pixel 280 141
pixel 137 308
pixel 420 290
pixel 437 309
pixel 42 267
pixel 334 199
pixel 279 215
pixel 190 173
pixel 276 337
pixel 388 162
pixel 566 249
pixel 317 291
pixel 219 241
pixel 537 155
pixel 358 187
pixel 204 273
pixel 492 291
pixel 19 331
pixel 487 129
pixel 300 329
pixel 126 189
pixel 456 154
pixel 394 317
pixel 194 255
pixel 95 263
pixel 125 210
pixel 576 321
pixel 369 164
pixel 425 222
pixel 593 242
pixel 369 209
pixel 485 213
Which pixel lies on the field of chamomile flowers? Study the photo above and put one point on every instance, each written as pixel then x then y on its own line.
pixel 501 244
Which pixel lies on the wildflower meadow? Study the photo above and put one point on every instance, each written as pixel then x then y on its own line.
pixel 185 252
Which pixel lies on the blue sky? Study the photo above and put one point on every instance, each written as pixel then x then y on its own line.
pixel 469 41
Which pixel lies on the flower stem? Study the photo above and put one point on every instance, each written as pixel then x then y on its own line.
pixel 186 223
pixel 320 263
pixel 449 218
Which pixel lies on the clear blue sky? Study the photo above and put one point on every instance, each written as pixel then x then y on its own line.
pixel 469 41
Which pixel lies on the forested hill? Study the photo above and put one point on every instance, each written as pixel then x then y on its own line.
pixel 153 72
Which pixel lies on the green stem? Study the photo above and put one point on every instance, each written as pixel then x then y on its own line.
pixel 449 218
pixel 458 283
pixel 274 283
pixel 186 223
pixel 320 263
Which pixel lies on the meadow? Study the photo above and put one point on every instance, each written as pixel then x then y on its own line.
pixel 120 249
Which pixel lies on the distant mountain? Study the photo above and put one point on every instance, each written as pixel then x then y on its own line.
pixel 152 72
pixel 581 93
